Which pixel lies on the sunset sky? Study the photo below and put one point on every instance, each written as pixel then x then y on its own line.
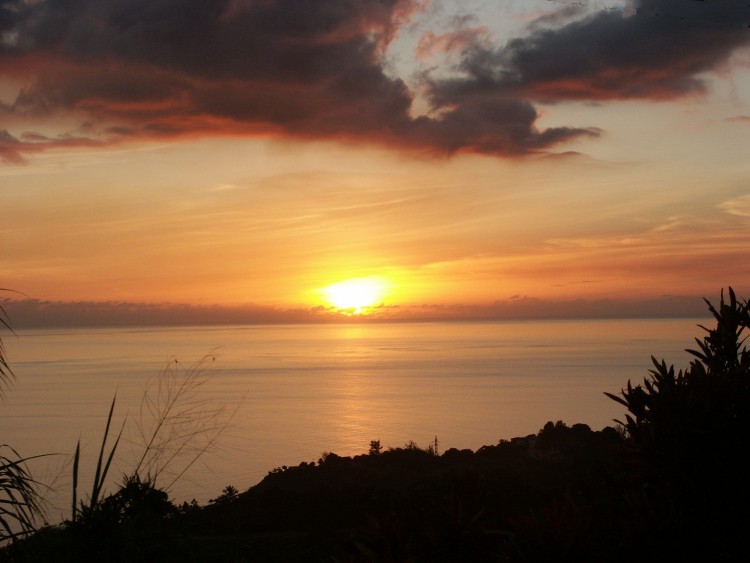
pixel 446 154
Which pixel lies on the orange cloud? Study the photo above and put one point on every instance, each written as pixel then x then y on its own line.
pixel 431 44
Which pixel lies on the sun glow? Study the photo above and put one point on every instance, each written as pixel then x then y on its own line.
pixel 355 295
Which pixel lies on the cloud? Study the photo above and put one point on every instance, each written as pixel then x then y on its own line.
pixel 30 313
pixel 431 44
pixel 9 148
pixel 739 206
pixel 656 52
pixel 173 68
pixel 12 150
pixel 33 313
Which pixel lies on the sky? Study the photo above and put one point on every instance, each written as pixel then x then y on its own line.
pixel 453 158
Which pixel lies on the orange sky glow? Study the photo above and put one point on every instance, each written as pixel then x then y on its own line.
pixel 251 155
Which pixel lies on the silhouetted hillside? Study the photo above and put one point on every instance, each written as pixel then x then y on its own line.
pixel 400 504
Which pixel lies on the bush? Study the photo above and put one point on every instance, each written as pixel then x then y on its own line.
pixel 687 430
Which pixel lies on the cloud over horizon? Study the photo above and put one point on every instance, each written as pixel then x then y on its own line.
pixel 163 69
pixel 34 313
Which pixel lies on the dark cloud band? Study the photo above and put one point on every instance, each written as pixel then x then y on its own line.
pixel 141 68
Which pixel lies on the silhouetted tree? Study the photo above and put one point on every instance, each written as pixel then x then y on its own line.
pixel 228 495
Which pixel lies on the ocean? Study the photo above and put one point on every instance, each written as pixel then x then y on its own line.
pixel 284 394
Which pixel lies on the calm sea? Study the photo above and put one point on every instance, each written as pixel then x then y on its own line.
pixel 296 391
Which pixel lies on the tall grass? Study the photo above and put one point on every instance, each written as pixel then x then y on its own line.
pixel 6 374
pixel 20 504
pixel 102 469
pixel 176 424
pixel 174 429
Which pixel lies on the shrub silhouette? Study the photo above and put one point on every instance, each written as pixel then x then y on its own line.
pixel 687 430
pixel 676 414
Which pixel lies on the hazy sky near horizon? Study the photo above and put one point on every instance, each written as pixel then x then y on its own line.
pixel 256 151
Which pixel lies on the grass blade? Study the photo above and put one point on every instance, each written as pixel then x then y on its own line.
pixel 76 460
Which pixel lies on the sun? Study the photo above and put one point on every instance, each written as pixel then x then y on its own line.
pixel 355 295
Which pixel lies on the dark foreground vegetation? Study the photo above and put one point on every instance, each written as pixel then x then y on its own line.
pixel 668 483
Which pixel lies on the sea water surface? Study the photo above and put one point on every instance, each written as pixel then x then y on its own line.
pixel 296 391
